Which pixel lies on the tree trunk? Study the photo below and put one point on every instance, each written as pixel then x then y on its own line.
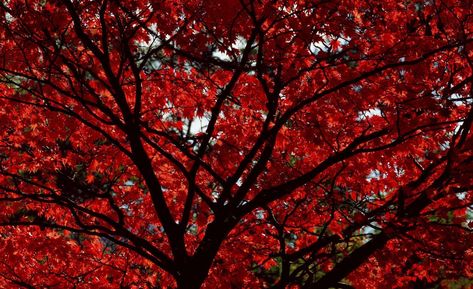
pixel 190 281
pixel 197 269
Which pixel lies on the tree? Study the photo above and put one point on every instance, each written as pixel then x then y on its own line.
pixel 236 144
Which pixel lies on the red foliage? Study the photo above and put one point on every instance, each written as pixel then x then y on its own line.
pixel 236 144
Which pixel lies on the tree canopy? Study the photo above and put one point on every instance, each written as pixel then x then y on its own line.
pixel 236 144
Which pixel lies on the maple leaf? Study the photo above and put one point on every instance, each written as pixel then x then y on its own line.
pixel 90 178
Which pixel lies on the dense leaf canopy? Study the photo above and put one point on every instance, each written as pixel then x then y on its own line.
pixel 236 144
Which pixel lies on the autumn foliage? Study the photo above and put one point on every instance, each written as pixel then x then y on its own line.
pixel 236 144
